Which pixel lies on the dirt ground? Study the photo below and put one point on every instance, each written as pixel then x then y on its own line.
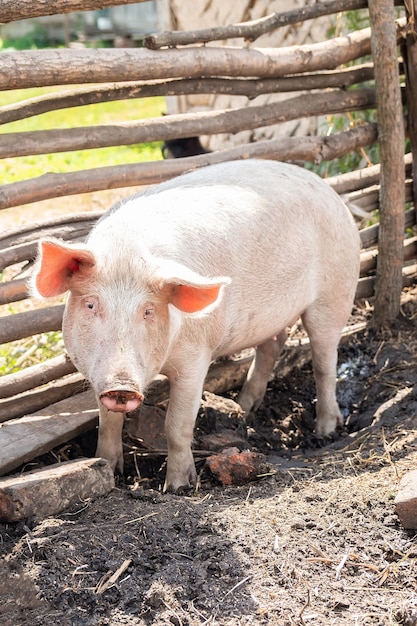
pixel 314 540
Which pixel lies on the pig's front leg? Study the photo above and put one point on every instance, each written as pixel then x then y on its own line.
pixel 186 388
pixel 109 444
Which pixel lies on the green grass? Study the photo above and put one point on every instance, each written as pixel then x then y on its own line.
pixel 21 168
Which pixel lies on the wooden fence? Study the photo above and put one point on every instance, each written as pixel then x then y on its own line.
pixel 332 72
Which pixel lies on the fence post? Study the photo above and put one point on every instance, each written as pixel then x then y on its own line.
pixel 409 51
pixel 391 141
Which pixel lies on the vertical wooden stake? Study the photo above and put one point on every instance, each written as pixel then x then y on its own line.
pixel 391 141
pixel 410 60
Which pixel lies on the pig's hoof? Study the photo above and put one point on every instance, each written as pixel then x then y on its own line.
pixel 181 482
pixel 116 461
pixel 327 428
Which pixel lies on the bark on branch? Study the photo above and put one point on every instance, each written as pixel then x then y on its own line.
pixel 340 79
pixel 35 376
pixel 185 125
pixel 11 10
pixel 40 68
pixel 253 29
pixel 313 149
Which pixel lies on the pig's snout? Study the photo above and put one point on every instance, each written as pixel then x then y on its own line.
pixel 121 400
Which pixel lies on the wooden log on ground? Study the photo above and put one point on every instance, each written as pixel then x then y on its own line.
pixel 54 488
pixel 35 376
pixel 42 68
pixel 314 149
pixel 28 437
pixel 182 126
pixel 339 79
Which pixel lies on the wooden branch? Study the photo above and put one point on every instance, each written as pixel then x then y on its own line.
pixel 11 10
pixel 183 125
pixel 30 323
pixel 68 229
pixel 369 257
pixel 359 179
pixel 13 291
pixel 69 226
pixel 40 68
pixel 369 235
pixel 35 400
pixel 341 79
pixel 253 29
pixel 16 254
pixel 368 199
pixel 292 148
pixel 366 286
pixel 35 376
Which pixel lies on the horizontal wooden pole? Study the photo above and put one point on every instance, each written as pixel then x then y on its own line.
pixel 69 226
pixel 30 323
pixel 251 88
pixel 253 29
pixel 12 10
pixel 314 149
pixel 24 439
pixel 184 125
pixel 35 376
pixel 34 400
pixel 40 68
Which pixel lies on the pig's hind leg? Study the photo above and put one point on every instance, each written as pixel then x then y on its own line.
pixel 254 388
pixel 324 330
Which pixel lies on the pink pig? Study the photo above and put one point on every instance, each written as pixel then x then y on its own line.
pixel 202 266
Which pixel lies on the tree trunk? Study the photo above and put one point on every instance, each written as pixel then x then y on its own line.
pixel 391 140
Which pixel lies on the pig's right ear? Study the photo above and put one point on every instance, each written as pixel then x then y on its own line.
pixel 57 264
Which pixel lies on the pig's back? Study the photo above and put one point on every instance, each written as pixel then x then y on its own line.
pixel 235 217
pixel 279 232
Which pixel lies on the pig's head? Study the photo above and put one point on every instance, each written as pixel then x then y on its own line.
pixel 123 315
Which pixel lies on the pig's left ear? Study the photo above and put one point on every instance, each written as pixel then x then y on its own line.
pixel 191 293
pixel 57 264
pixel 196 298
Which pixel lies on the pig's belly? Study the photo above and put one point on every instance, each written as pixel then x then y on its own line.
pixel 249 335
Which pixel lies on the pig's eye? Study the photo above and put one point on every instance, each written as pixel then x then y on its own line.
pixel 91 306
pixel 148 313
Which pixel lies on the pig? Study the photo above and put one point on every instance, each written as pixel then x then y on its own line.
pixel 202 266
